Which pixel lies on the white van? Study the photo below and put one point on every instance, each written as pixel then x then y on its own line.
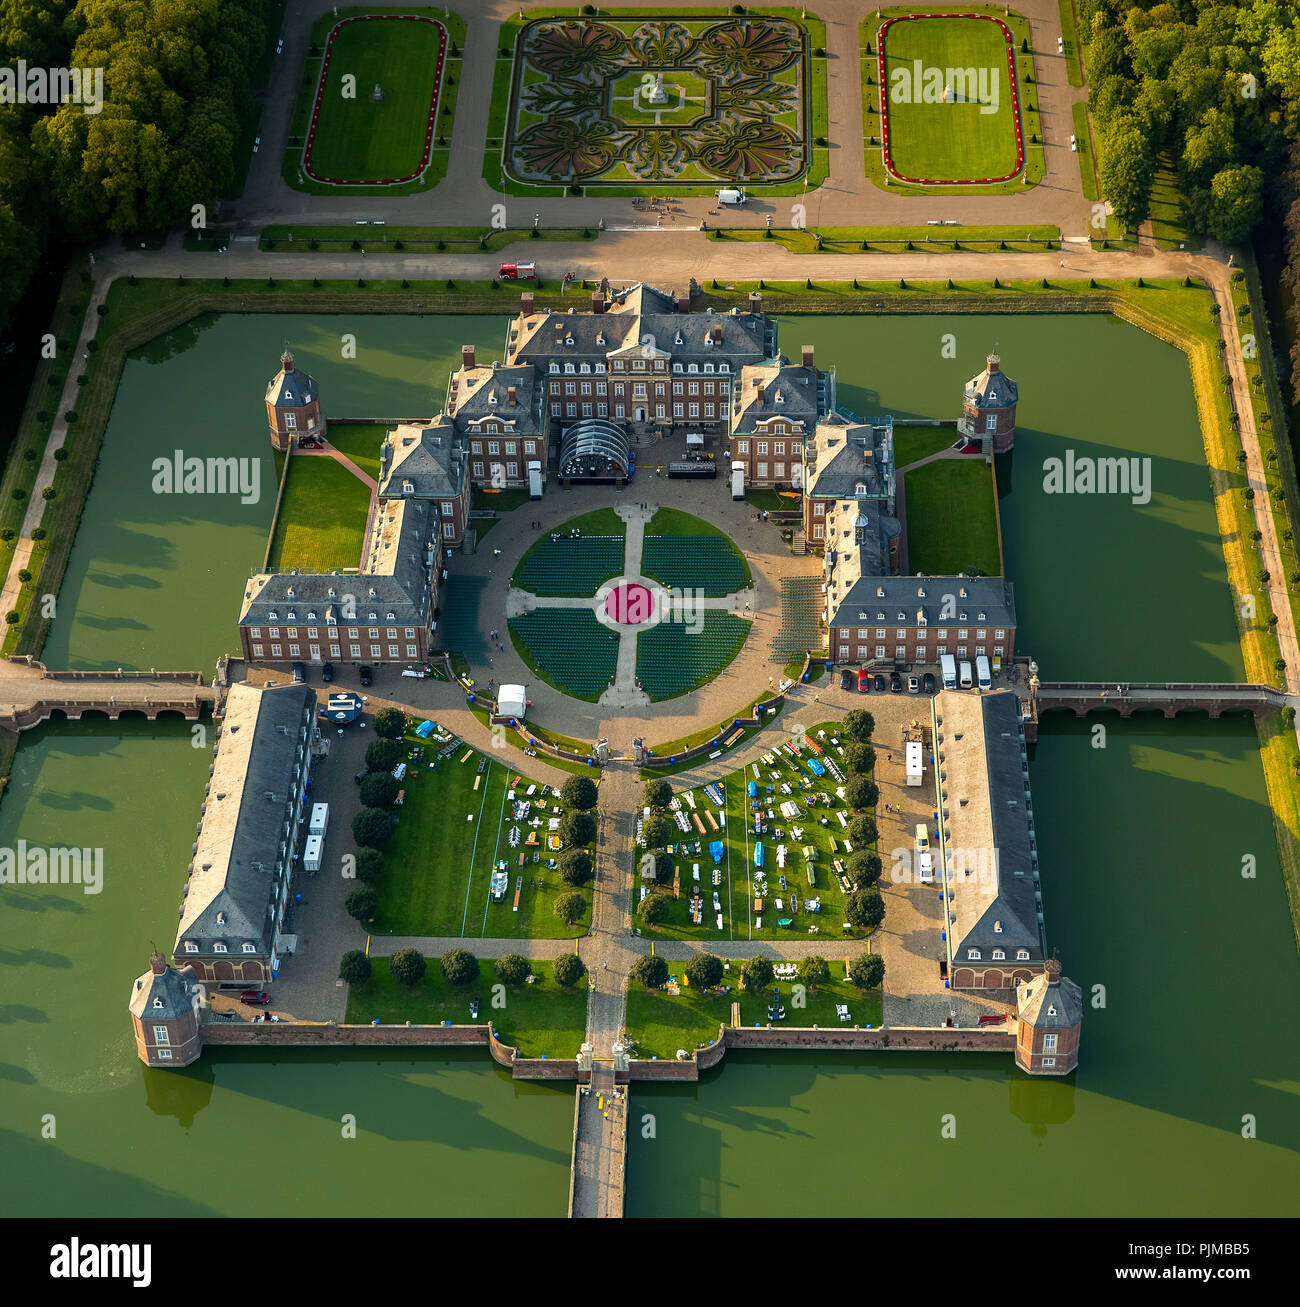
pixel 729 195
pixel 925 867
pixel 982 673
pixel 966 680
pixel 948 664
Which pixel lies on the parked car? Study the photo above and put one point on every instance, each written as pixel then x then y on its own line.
pixel 299 674
pixel 864 682
pixel 257 997
pixel 895 683
pixel 366 674
pixel 847 679
pixel 913 684
pixel 927 683
pixel 310 442
pixel 327 672
pixel 361 775
pixel 880 683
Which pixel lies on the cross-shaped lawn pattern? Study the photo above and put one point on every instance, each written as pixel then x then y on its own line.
pixel 646 605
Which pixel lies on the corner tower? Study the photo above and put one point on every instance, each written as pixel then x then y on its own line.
pixel 989 408
pixel 164 1015
pixel 292 405
pixel 1049 1015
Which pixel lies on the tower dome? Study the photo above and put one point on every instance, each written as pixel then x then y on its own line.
pixel 989 407
pixel 292 404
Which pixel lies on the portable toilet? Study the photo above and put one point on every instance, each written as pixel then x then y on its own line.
pixel 320 819
pixel 313 852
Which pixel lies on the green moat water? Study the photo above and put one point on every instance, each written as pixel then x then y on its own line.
pixel 1141 848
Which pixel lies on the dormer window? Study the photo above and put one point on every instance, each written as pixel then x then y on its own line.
pixel 311 616
pixel 708 367
pixel 408 487
pixel 289 593
pixel 724 367
pixel 157 1003
pixel 997 928
pixel 190 946
pixel 1051 1011
pixel 219 947
pixel 492 396
pixel 221 918
pixel 249 948
pixel 600 338
pixel 860 488
pixel 555 367
pixel 973 954
pixel 1022 955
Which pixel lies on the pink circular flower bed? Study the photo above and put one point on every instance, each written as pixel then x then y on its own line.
pixel 630 604
pixel 884 105
pixel 320 94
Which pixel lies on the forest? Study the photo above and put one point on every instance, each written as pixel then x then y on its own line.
pixel 178 78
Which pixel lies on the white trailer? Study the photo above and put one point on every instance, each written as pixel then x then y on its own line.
pixel 738 482
pixel 320 819
pixel 915 763
pixel 313 852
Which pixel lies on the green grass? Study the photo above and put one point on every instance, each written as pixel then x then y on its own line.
pixel 912 443
pixel 951 518
pixel 300 238
pixel 361 442
pixel 1087 155
pixel 600 522
pixel 1070 33
pixel 740 920
pixel 357 139
pixel 661 1023
pixel 437 864
pixel 500 501
pixel 538 1019
pixel 1169 220
pixel 322 519
pixel 949 141
pixel 897 240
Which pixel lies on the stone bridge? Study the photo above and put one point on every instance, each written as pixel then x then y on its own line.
pixel 31 694
pixel 1169 697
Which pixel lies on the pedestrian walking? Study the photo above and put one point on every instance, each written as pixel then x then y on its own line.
pixel 1062 263
pixel 606 966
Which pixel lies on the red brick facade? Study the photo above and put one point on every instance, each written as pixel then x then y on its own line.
pixel 773 457
pixel 346 643
pixel 920 645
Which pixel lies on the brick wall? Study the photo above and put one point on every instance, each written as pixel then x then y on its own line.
pixel 289 1033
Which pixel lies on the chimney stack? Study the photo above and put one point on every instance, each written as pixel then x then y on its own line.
pixel 157 963
pixel 467 356
pixel 755 302
pixel 993 361
pixel 683 302
pixel 762 392
pixel 511 392
pixel 526 303
pixel 597 302
pixel 808 352
pixel 717 334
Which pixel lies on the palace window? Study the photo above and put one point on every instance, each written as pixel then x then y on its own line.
pixel 973 954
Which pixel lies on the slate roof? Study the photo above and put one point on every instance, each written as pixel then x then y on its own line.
pixel 987 812
pixel 896 600
pixel 857 539
pixel 644 318
pixel 478 393
pixel 290 388
pixel 232 886
pixel 992 389
pixel 165 997
pixel 845 453
pixel 789 391
pixel 422 453
pixel 1051 1001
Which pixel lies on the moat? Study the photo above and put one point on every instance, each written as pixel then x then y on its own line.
pixel 1146 907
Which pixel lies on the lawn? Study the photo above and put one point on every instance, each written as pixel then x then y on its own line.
pixel 361 442
pixel 322 521
pixel 660 1023
pixel 913 443
pixel 500 501
pixel 357 139
pixel 439 861
pixel 741 920
pixel 541 1019
pixel 551 567
pixel 972 135
pixel 952 518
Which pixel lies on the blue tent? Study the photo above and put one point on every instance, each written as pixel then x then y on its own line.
pixel 758 854
pixel 753 789
pixel 715 848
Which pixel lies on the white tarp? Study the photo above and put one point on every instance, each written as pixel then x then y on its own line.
pixel 512 701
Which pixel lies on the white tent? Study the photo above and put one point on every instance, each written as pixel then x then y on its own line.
pixel 512 701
